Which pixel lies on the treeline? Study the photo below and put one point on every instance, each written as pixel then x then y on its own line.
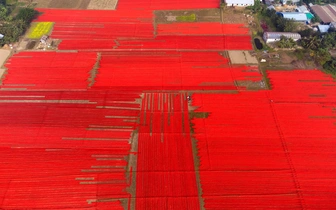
pixel 12 27
pixel 317 46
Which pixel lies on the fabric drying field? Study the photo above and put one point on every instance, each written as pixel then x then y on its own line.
pixel 105 121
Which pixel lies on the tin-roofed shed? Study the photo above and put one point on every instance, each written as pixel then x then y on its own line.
pixel 296 16
pixel 275 36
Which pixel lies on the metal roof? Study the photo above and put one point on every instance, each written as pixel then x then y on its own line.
pixel 296 16
pixel 326 13
pixel 277 35
pixel 323 28
pixel 309 16
pixel 302 9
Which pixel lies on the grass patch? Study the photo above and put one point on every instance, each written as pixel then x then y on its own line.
pixel 38 29
pixel 186 18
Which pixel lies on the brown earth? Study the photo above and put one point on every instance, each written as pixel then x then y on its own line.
pixel 202 15
pixel 77 4
pixel 103 4
pixel 234 15
pixel 66 4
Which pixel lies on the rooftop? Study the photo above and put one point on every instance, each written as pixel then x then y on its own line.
pixel 326 13
pixel 296 16
pixel 323 28
pixel 277 35
pixel 302 9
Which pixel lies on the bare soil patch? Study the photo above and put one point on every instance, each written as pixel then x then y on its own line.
pixel 62 4
pixel 103 4
pixel 42 3
pixel 242 57
pixel 77 4
pixel 203 15
pixel 3 57
pixel 234 15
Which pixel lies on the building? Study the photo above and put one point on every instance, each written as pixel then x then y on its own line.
pixel 293 1
pixel 240 3
pixel 275 36
pixel 323 28
pixel 296 16
pixel 327 13
pixel 302 9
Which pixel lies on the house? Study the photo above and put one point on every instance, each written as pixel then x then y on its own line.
pixel 275 36
pixel 296 16
pixel 302 9
pixel 240 3
pixel 327 13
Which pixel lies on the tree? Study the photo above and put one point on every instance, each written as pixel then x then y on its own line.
pixel 307 32
pixel 321 56
pixel 315 19
pixel 26 14
pixel 286 42
pixel 13 28
pixel 330 66
pixel 289 26
pixel 328 41
pixel 3 13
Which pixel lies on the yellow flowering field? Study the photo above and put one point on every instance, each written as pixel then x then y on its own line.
pixel 38 29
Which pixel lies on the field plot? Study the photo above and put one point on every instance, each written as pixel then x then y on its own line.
pixel 105 122
pixel 242 57
pixel 202 29
pixel 103 4
pixel 294 124
pixel 166 4
pixel 62 4
pixel 49 70
pixel 38 29
pixel 307 119
pixel 3 57
pixel 118 30
pixel 165 169
pixel 66 148
pixel 200 15
pixel 171 71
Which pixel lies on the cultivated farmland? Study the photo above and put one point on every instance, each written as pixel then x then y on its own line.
pixel 38 29
pixel 132 112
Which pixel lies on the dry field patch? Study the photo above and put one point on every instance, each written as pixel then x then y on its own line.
pixel 242 57
pixel 3 57
pixel 103 4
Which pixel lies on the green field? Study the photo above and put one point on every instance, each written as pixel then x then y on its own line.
pixel 38 29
